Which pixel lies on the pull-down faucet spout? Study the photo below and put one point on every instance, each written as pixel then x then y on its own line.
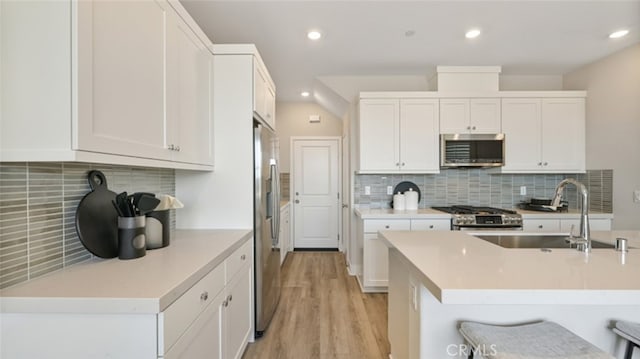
pixel 585 234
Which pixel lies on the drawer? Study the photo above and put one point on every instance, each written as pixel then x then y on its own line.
pixel 174 320
pixel 238 259
pixel 430 224
pixel 541 225
pixel 375 225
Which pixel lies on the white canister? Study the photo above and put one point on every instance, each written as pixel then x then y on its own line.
pixel 411 199
pixel 399 202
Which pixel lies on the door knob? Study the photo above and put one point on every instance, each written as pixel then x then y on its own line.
pixel 297 201
pixel 344 205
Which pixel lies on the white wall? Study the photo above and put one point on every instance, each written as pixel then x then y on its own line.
pixel 613 126
pixel 530 82
pixel 292 119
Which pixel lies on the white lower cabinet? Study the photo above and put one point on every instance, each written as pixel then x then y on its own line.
pixel 285 233
pixel 564 225
pixel 375 254
pixel 221 306
pixel 403 310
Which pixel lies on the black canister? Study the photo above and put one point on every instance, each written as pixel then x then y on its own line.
pixel 131 237
pixel 158 231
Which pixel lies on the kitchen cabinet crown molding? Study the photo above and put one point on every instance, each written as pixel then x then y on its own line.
pixel 245 49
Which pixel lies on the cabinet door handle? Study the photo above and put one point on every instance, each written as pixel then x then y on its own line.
pixel 546 163
pixel 243 257
pixel 204 296
pixel 540 226
pixel 468 127
pixel 397 164
pixel 403 163
pixel 539 163
pixel 473 128
pixel 230 298
pixel 178 148
pixel 171 147
pixel 225 303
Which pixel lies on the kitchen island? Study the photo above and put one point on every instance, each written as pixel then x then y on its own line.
pixel 439 278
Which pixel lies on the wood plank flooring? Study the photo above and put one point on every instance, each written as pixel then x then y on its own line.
pixel 323 314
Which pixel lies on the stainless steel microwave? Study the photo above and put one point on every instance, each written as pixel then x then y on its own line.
pixel 471 150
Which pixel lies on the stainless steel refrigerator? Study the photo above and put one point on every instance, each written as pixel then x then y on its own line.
pixel 266 226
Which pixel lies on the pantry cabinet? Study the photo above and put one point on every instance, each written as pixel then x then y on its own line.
pixel 544 135
pixel 117 82
pixel 477 115
pixel 398 135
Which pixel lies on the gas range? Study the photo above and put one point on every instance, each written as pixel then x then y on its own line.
pixel 482 218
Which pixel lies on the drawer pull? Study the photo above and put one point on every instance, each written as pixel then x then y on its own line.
pixel 431 226
pixel 230 297
pixel 225 303
pixel 243 257
pixel 204 296
pixel 541 226
pixel 387 227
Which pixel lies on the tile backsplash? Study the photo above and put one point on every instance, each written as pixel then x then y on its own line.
pixel 479 187
pixel 37 212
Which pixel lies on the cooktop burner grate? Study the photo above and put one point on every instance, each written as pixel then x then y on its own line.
pixel 461 209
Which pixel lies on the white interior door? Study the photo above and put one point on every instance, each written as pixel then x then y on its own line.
pixel 316 174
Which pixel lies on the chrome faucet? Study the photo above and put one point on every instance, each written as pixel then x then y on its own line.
pixel 584 244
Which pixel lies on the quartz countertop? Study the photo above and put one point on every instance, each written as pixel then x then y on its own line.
pixel 458 268
pixel 429 213
pixel 144 285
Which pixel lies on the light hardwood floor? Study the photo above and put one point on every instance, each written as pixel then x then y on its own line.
pixel 323 314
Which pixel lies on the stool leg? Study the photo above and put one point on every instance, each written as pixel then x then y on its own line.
pixel 629 351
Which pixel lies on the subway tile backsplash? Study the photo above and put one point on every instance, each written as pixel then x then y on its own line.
pixel 478 187
pixel 37 212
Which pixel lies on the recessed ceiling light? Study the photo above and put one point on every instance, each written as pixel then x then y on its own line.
pixel 618 34
pixel 304 94
pixel 472 34
pixel 314 35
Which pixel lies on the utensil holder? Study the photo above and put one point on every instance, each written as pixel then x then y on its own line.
pixel 131 237
pixel 157 229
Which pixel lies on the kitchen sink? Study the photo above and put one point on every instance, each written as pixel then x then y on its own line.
pixel 536 241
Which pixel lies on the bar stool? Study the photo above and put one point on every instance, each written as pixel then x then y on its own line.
pixel 630 332
pixel 537 340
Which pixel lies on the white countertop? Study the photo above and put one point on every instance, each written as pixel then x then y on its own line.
pixel 145 285
pixel 426 213
pixel 429 213
pixel 458 268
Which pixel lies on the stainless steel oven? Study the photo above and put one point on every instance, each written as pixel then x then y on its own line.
pixel 470 218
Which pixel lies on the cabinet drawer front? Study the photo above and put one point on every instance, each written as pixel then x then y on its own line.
pixel 430 224
pixel 238 259
pixel 541 225
pixel 178 316
pixel 375 225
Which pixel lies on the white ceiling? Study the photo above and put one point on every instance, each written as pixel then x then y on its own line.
pixel 368 37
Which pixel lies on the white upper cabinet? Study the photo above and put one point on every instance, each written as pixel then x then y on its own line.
pixel 121 60
pixel 398 135
pixel 128 82
pixel 189 95
pixel 544 135
pixel 264 96
pixel 479 115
